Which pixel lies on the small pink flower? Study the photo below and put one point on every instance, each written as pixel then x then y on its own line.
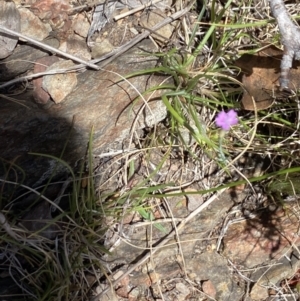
pixel 226 120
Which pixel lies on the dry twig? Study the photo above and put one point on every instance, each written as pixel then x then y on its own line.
pixel 290 38
pixel 48 48
pixel 131 12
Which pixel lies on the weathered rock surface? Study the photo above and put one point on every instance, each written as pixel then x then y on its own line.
pixel 265 253
pixel 150 19
pixel 76 46
pixel 54 12
pixel 32 26
pixel 25 56
pixel 101 47
pixel 272 274
pixel 200 262
pixel 81 25
pixel 102 101
pixel 263 238
pixel 10 19
pixel 39 94
pixel 60 85
pixel 265 244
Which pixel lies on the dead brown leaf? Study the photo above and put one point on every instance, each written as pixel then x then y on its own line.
pixel 260 78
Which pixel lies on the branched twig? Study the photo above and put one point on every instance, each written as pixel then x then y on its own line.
pixel 290 38
pixel 46 47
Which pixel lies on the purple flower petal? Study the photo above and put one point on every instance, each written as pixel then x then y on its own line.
pixel 226 120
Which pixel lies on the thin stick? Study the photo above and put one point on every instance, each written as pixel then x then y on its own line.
pixel 35 75
pixel 131 12
pixel 49 48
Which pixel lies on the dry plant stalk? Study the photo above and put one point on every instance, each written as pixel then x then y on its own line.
pixel 290 38
pixel 134 10
pixel 4 30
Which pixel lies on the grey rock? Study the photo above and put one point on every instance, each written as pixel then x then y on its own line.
pixel 32 26
pixel 150 19
pixel 212 266
pixel 77 46
pixel 102 100
pixel 25 56
pixel 271 274
pixel 10 19
pixel 62 84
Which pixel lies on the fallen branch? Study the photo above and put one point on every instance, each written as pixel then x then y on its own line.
pixel 290 38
